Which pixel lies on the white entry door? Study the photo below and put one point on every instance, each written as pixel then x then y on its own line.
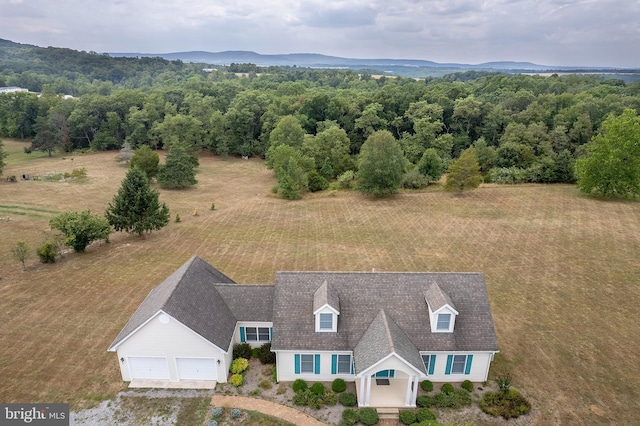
pixel 153 368
pixel 197 369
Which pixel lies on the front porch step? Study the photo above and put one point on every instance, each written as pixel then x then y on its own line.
pixel 388 413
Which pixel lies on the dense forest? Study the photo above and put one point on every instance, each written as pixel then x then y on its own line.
pixel 523 128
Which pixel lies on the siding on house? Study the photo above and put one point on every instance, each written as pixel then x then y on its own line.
pixel 285 363
pixel 239 336
pixel 171 340
pixel 478 372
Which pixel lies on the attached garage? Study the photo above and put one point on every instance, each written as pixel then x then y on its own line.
pixel 153 368
pixel 197 369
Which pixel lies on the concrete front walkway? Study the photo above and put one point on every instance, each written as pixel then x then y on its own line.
pixel 280 411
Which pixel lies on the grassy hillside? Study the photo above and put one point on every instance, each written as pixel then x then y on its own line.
pixel 562 272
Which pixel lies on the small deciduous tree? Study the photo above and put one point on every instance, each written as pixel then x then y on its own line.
pixel 81 228
pixel 135 208
pixel 178 171
pixel 431 165
pixel 20 251
pixel 464 173
pixel 47 140
pixel 380 165
pixel 612 165
pixel 146 160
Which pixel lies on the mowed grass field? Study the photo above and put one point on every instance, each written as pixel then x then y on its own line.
pixel 562 270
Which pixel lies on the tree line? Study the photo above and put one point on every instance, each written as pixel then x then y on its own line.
pixel 522 128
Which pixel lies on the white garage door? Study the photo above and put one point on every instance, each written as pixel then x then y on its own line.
pixel 148 368
pixel 197 369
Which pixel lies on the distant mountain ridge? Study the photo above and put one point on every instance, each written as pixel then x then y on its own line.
pixel 319 60
pixel 406 67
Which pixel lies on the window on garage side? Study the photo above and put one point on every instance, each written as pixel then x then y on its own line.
pixel 257 334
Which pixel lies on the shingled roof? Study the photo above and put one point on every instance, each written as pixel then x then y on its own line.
pixel 436 298
pixel 205 300
pixel 326 295
pixel 384 337
pixel 363 294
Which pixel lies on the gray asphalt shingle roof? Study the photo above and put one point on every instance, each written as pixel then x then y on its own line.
pixel 437 298
pixel 205 300
pixel 380 312
pixel 363 294
pixel 382 337
pixel 326 295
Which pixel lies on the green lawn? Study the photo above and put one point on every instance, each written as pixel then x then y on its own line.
pixel 562 273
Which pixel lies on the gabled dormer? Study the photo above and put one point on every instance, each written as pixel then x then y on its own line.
pixel 326 308
pixel 442 312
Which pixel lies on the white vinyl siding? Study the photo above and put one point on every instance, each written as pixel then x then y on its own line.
pixel 169 342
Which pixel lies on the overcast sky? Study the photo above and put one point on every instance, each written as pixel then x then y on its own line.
pixel 548 32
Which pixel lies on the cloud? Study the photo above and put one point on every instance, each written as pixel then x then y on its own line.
pixel 598 32
pixel 336 14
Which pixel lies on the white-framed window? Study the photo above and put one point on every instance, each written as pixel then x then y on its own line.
pixel 326 322
pixel 458 365
pixel 307 363
pixel 429 361
pixel 257 334
pixel 344 364
pixel 444 322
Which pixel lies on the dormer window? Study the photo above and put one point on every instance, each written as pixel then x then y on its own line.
pixel 444 322
pixel 326 308
pixel 326 322
pixel 442 312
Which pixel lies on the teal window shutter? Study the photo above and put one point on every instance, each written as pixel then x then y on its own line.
pixel 296 361
pixel 467 368
pixel 353 366
pixel 270 333
pixel 334 363
pixel 316 364
pixel 449 362
pixel 432 364
pixel 243 338
pixel 392 373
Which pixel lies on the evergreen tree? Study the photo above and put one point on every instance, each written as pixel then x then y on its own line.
pixel 381 165
pixel 464 173
pixel 135 208
pixel 178 169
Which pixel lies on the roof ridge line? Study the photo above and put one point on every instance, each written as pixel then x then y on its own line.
pixel 387 330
